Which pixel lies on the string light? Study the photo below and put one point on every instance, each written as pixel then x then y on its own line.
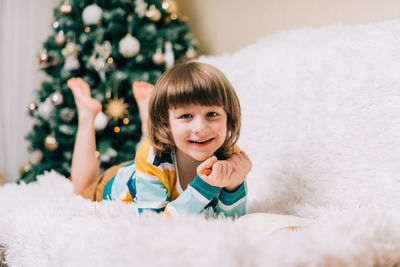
pixel 125 121
pixel 116 129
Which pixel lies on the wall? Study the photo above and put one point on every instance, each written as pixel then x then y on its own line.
pixel 24 25
pixel 226 25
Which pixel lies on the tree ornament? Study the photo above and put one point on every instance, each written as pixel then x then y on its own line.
pixel 153 13
pixel 45 109
pixel 60 38
pixel 67 114
pixel 173 16
pixel 99 59
pixel 25 168
pixel 47 59
pixel 70 53
pixel 50 142
pixel 140 8
pixel 71 63
pixel 191 53
pixel 169 55
pixel 43 56
pixel 35 157
pixel 56 24
pixel 169 6
pixel 129 46
pixel 92 14
pixel 70 50
pixel 158 57
pixel 32 107
pixel 66 8
pixel 109 154
pixel 56 98
pixel 116 108
pixel 100 121
pixel 66 129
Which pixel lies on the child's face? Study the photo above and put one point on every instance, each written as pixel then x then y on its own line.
pixel 198 131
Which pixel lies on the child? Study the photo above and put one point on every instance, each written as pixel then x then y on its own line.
pixel 188 163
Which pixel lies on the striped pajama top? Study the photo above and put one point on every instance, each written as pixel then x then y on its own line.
pixel 153 184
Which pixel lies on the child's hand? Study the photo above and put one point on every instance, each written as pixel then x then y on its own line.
pixel 241 167
pixel 221 174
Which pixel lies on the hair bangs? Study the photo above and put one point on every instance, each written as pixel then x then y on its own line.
pixel 188 87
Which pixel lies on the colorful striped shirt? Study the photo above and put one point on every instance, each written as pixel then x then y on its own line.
pixel 153 184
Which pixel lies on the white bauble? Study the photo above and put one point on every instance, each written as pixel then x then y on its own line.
pixel 129 46
pixel 169 55
pixel 100 121
pixel 45 109
pixel 92 14
pixel 35 157
pixel 71 63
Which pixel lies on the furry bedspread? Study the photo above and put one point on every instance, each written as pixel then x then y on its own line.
pixel 321 122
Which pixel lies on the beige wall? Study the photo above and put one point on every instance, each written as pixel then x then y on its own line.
pixel 226 25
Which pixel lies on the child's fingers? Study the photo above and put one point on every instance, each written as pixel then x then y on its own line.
pixel 235 159
pixel 208 163
pixel 244 155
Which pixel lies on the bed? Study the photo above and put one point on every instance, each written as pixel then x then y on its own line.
pixel 321 123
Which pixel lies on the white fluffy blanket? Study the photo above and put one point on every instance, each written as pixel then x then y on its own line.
pixel 321 122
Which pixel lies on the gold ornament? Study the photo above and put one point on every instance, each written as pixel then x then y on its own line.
pixel 67 114
pixel 66 7
pixel 56 98
pixel 32 107
pixel 153 13
pixel 43 56
pixel 25 167
pixel 50 142
pixel 60 38
pixel 191 53
pixel 158 57
pixel 116 108
pixel 129 46
pixel 169 6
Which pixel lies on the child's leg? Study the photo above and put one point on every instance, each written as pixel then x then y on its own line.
pixel 142 92
pixel 85 164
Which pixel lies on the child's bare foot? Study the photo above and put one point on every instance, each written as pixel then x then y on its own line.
pixel 87 106
pixel 142 92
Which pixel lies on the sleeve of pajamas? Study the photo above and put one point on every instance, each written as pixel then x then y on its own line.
pixel 152 195
pixel 233 204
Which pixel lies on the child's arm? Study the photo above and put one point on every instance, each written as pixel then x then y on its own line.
pixel 152 194
pixel 232 199
pixel 233 204
pixel 241 167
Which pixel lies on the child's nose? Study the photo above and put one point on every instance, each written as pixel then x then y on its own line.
pixel 199 125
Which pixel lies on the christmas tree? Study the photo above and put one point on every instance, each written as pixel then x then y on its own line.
pixel 110 44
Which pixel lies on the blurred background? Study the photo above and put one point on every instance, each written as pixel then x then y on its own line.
pixel 219 26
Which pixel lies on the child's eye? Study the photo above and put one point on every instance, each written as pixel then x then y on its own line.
pixel 212 114
pixel 186 116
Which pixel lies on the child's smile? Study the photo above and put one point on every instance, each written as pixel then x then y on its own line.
pixel 198 131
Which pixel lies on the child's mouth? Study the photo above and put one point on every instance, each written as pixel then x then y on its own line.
pixel 201 142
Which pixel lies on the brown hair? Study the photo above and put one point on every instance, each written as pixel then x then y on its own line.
pixel 192 83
